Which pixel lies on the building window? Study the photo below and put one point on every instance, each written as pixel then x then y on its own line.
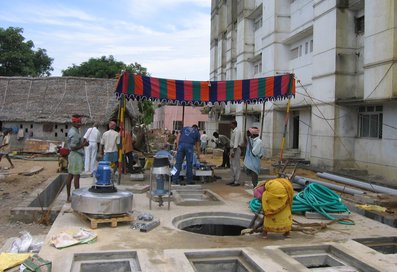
pixel 306 48
pixel 359 25
pixel 177 125
pixel 300 50
pixel 201 125
pixel 294 53
pixel 56 134
pixel 47 127
pixel 257 67
pixel 311 45
pixel 370 120
pixel 257 23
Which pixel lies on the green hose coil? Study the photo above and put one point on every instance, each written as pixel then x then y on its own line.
pixel 316 197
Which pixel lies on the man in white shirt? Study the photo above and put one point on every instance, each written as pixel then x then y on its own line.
pixel 236 141
pixel 93 137
pixel 203 142
pixel 110 141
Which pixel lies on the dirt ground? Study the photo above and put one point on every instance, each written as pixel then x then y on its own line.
pixel 14 188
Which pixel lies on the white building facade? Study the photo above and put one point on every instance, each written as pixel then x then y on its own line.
pixel 343 54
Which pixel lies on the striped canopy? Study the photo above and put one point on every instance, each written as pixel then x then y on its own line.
pixel 198 92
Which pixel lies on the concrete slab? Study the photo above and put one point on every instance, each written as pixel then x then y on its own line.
pixel 167 248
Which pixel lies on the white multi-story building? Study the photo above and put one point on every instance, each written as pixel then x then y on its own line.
pixel 343 53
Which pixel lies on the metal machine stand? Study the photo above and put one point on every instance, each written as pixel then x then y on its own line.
pixel 163 170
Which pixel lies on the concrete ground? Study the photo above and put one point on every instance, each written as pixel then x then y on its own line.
pixel 167 248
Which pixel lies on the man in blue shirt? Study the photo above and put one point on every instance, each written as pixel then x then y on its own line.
pixel 188 138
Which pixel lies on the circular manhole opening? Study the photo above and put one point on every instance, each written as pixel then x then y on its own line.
pixel 213 223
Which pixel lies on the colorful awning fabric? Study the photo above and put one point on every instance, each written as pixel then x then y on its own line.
pixel 198 92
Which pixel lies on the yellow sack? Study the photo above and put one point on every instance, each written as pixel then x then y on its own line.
pixel 148 163
pixel 9 260
pixel 374 208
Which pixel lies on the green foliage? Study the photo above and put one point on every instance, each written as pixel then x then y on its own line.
pixel 17 57
pixel 147 110
pixel 108 67
pixel 103 67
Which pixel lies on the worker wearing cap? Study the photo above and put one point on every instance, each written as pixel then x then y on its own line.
pixel 76 145
pixel 187 140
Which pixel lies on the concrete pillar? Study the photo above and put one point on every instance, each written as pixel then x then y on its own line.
pixel 245 39
pixel 380 57
pixel 324 66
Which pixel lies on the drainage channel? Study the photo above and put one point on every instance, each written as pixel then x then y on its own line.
pixel 327 257
pixel 384 245
pixel 213 223
pixel 42 202
pixel 126 261
pixel 222 261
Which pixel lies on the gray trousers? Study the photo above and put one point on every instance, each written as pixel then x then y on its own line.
pixel 235 167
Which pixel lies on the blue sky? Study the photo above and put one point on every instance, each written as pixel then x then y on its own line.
pixel 169 37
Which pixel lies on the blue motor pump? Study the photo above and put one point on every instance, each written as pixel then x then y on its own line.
pixel 103 174
pixel 161 161
pixel 160 180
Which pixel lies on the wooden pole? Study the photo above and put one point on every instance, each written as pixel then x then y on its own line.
pixel 122 109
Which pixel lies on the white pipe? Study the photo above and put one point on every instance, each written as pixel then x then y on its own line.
pixel 306 181
pixel 360 184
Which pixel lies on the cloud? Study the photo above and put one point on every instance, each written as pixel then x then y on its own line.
pixel 169 37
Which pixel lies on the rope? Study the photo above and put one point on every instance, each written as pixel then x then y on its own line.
pixel 319 198
pixel 312 228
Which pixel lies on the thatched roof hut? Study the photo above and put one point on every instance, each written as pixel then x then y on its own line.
pixel 55 99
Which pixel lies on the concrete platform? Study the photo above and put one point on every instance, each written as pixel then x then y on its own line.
pixel 167 248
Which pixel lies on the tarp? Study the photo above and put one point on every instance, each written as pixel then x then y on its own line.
pixel 198 92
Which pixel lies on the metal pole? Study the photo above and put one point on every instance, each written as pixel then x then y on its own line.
pixel 285 128
pixel 245 118
pixel 263 119
pixel 306 181
pixel 360 184
pixel 183 115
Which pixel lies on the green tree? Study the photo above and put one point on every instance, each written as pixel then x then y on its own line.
pixel 108 67
pixel 17 57
pixel 147 109
pixel 103 67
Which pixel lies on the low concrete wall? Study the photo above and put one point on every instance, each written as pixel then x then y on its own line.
pixel 42 204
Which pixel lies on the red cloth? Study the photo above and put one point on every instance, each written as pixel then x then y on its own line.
pixel 76 119
pixel 64 152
